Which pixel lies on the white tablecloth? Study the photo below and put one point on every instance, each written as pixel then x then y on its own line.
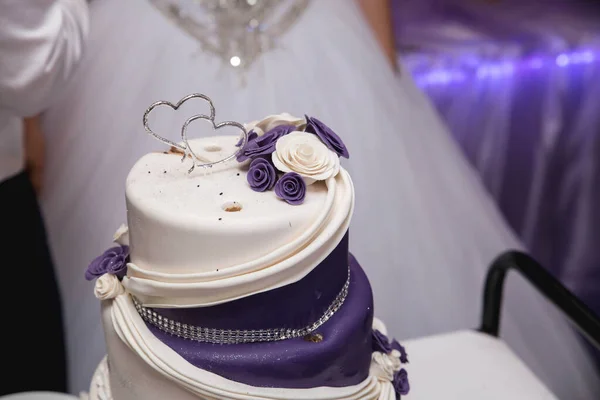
pixel 468 365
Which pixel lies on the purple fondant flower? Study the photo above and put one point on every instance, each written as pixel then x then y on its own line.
pixel 112 261
pixel 251 136
pixel 327 136
pixel 381 342
pixel 262 175
pixel 402 350
pixel 401 385
pixel 291 188
pixel 265 144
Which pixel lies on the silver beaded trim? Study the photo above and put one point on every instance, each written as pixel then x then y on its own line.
pixel 229 336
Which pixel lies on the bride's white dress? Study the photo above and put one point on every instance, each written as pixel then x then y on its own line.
pixel 424 228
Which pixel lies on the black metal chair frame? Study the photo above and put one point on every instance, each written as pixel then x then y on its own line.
pixel 574 309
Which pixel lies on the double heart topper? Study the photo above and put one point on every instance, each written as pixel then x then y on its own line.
pixel 186 148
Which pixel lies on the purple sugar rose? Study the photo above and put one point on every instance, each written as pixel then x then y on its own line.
pixel 262 175
pixel 327 136
pixel 381 342
pixel 402 350
pixel 112 261
pixel 291 188
pixel 251 136
pixel 265 144
pixel 401 385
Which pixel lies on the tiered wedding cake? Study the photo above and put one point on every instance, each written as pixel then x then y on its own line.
pixel 234 280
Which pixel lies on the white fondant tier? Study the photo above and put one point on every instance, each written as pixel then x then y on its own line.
pixel 139 366
pixel 188 250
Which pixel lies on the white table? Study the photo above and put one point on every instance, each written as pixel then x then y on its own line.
pixel 468 365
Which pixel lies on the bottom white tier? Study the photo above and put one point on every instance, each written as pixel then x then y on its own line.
pixel 462 365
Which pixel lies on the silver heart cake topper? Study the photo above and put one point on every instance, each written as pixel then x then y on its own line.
pixel 174 107
pixel 215 125
pixel 186 148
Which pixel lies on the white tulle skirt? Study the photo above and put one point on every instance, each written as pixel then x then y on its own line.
pixel 424 228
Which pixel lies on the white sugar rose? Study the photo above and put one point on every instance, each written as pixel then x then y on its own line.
pixel 107 287
pixel 305 154
pixel 121 236
pixel 383 366
pixel 378 325
pixel 252 127
pixel 272 121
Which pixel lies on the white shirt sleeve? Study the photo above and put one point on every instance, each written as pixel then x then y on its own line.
pixel 40 43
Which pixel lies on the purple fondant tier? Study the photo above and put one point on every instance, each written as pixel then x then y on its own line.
pixel 342 358
pixel 293 306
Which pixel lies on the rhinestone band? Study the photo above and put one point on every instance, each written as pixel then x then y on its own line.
pixel 230 336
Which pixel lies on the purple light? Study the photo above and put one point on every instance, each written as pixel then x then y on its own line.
pixel 588 56
pixel 562 60
pixel 441 77
pixel 536 63
pixel 507 68
pixel 495 70
pixel 482 72
pixel 584 57
pixel 469 67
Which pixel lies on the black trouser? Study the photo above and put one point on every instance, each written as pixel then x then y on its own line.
pixel 32 349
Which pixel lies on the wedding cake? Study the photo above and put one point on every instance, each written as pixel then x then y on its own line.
pixel 233 278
